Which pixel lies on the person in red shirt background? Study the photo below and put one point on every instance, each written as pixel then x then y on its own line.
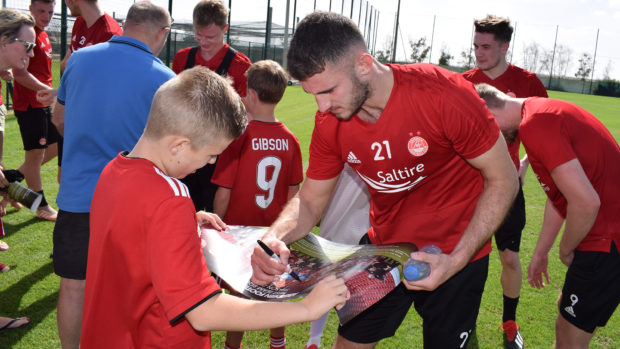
pixel 577 162
pixel 210 19
pixel 491 43
pixel 91 26
pixel 261 170
pixel 39 135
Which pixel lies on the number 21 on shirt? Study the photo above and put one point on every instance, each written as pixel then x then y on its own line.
pixel 380 152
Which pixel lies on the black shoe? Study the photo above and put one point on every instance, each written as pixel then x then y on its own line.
pixel 512 336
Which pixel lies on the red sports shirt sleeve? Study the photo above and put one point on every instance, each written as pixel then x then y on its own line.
pixel 325 161
pixel 178 269
pixel 468 124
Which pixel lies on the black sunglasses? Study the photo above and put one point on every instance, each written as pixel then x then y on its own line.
pixel 27 44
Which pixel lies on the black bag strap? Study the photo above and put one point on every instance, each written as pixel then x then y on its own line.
pixel 223 68
pixel 191 58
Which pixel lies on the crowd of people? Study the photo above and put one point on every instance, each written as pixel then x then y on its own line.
pixel 399 153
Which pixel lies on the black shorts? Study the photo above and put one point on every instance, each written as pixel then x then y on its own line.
pixel 508 235
pixel 591 289
pixel 36 128
pixel 71 234
pixel 449 313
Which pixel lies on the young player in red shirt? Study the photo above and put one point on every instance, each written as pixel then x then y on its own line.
pixel 210 19
pixel 147 281
pixel 577 162
pixel 261 170
pixel 491 42
pixel 437 169
pixel 39 135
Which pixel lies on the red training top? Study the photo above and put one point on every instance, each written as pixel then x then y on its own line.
pixel 240 63
pixel 555 132
pixel 40 67
pixel 413 159
pixel 515 82
pixel 145 264
pixel 101 31
pixel 259 167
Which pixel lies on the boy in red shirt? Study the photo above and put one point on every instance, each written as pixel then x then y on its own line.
pixel 261 170
pixel 147 281
pixel 577 162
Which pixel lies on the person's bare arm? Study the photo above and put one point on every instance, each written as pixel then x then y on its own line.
pixel 552 222
pixel 224 312
pixel 221 201
pixel 500 188
pixel 29 81
pixel 582 208
pixel 63 63
pixel 292 190
pixel 524 163
pixel 295 221
pixel 58 118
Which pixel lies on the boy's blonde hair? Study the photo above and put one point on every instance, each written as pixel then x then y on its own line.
pixel 268 79
pixel 11 21
pixel 493 97
pixel 197 104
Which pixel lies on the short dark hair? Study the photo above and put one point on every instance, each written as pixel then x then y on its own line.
pixel 268 79
pixel 207 12
pixel 45 1
pixel 498 26
pixel 321 37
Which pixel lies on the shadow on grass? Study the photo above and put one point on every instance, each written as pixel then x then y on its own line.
pixel 10 229
pixel 37 311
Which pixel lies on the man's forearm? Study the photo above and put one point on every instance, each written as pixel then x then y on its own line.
pixel 26 79
pixel 580 218
pixel 295 221
pixel 552 222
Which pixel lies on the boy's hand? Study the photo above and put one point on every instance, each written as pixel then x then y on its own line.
pixel 265 269
pixel 328 293
pixel 210 220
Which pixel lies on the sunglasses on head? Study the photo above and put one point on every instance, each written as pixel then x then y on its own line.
pixel 27 44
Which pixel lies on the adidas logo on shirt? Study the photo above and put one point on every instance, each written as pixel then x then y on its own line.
pixel 352 159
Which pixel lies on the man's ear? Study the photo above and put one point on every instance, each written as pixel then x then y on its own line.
pixel 505 47
pixel 363 64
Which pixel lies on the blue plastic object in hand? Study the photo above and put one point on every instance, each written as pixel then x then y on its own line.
pixel 415 270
